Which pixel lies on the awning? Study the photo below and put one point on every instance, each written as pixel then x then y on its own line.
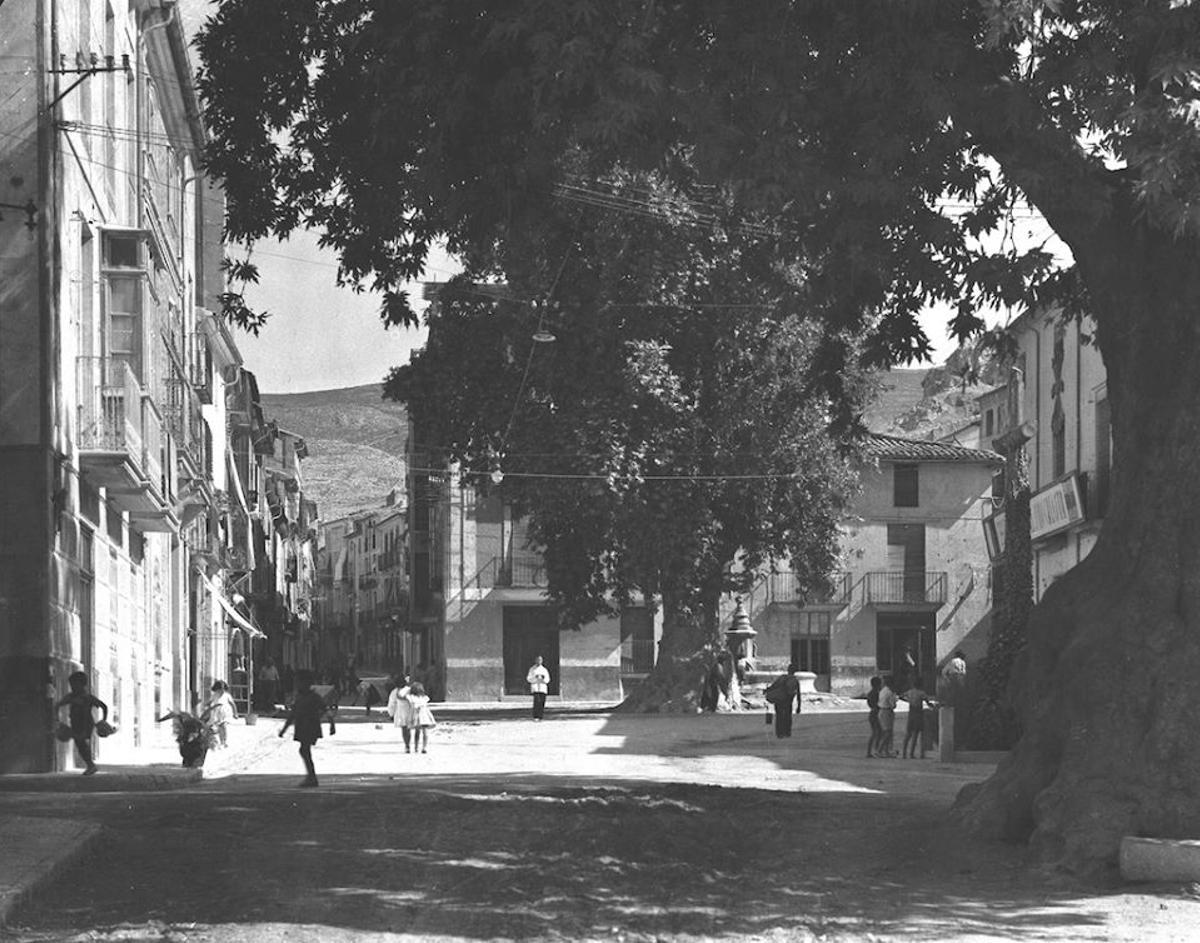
pixel 237 482
pixel 240 620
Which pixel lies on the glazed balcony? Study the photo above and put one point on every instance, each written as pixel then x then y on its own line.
pixel 122 443
pixel 109 424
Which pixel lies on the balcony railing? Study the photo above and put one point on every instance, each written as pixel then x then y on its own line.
pixel 897 586
pixel 637 656
pixel 523 568
pixel 785 588
pixel 110 407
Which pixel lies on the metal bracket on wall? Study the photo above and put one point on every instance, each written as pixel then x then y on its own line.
pixel 29 208
pixel 85 72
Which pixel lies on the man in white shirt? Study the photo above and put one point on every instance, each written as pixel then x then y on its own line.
pixel 539 684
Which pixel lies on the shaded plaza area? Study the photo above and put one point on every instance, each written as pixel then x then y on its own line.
pixel 582 827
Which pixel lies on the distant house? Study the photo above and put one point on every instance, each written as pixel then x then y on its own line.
pixel 479 603
pixel 916 584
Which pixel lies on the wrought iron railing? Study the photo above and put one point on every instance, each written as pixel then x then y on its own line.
pixel 637 655
pixel 523 568
pixel 899 586
pixel 785 588
pixel 110 407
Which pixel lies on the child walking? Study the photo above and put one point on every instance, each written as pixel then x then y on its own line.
pixel 399 708
pixel 420 716
pixel 221 711
pixel 81 702
pixel 307 710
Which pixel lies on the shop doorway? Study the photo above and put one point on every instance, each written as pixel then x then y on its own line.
pixel 529 631
pixel 905 648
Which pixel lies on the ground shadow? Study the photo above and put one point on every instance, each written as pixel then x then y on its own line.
pixel 539 857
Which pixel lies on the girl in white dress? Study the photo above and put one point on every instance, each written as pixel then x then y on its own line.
pixel 399 708
pixel 421 719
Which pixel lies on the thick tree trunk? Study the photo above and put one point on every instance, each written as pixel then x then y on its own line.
pixel 690 644
pixel 1110 744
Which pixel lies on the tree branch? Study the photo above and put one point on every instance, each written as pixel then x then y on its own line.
pixel 1072 190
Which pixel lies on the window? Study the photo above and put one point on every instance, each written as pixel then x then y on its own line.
pixel 906 486
pixel 123 281
pixel 989 423
pixel 637 640
pixel 810 641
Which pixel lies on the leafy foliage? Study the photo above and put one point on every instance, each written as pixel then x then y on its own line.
pixel 881 138
pixel 680 422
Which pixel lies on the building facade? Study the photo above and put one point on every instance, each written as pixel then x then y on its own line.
pixel 1057 395
pixel 130 446
pixel 916 580
pixel 363 613
pixel 479 604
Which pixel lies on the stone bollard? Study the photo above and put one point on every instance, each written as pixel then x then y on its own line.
pixel 946 734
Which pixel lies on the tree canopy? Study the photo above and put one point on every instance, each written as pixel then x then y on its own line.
pixel 877 141
pixel 677 436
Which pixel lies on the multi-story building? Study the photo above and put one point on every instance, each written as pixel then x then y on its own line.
pixel 132 442
pixel 479 609
pixel 916 582
pixel 107 465
pixel 1059 387
pixel 363 587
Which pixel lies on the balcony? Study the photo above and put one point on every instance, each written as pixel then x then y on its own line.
pixel 901 588
pixel 122 443
pixel 784 589
pixel 110 423
pixel 637 656
pixel 521 569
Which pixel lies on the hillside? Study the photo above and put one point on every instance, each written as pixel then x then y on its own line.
pixel 934 402
pixel 356 442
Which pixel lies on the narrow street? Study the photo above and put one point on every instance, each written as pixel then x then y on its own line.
pixel 582 827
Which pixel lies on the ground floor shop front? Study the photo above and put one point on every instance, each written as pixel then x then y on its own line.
pixel 488 647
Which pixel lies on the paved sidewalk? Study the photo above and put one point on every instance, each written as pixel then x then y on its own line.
pixel 35 850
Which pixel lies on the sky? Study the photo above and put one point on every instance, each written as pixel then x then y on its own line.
pixel 320 336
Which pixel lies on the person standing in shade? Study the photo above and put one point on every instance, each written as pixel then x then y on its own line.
pixel 539 684
pixel 780 694
pixel 875 743
pixel 307 711
pixel 914 733
pixel 887 720
pixel 268 684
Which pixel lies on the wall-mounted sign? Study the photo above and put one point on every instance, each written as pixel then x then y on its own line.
pixel 993 534
pixel 1054 508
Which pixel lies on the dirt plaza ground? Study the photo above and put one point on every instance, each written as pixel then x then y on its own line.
pixel 585 826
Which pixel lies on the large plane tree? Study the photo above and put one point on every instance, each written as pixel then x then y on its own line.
pixel 847 127
pixel 680 434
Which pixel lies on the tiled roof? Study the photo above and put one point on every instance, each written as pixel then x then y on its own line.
pixel 893 448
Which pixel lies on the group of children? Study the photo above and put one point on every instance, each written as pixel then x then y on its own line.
pixel 408 706
pixel 882 701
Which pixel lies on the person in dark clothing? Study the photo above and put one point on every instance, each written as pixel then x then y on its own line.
pixel 875 743
pixel 306 714
pixel 716 681
pixel 81 702
pixel 780 694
